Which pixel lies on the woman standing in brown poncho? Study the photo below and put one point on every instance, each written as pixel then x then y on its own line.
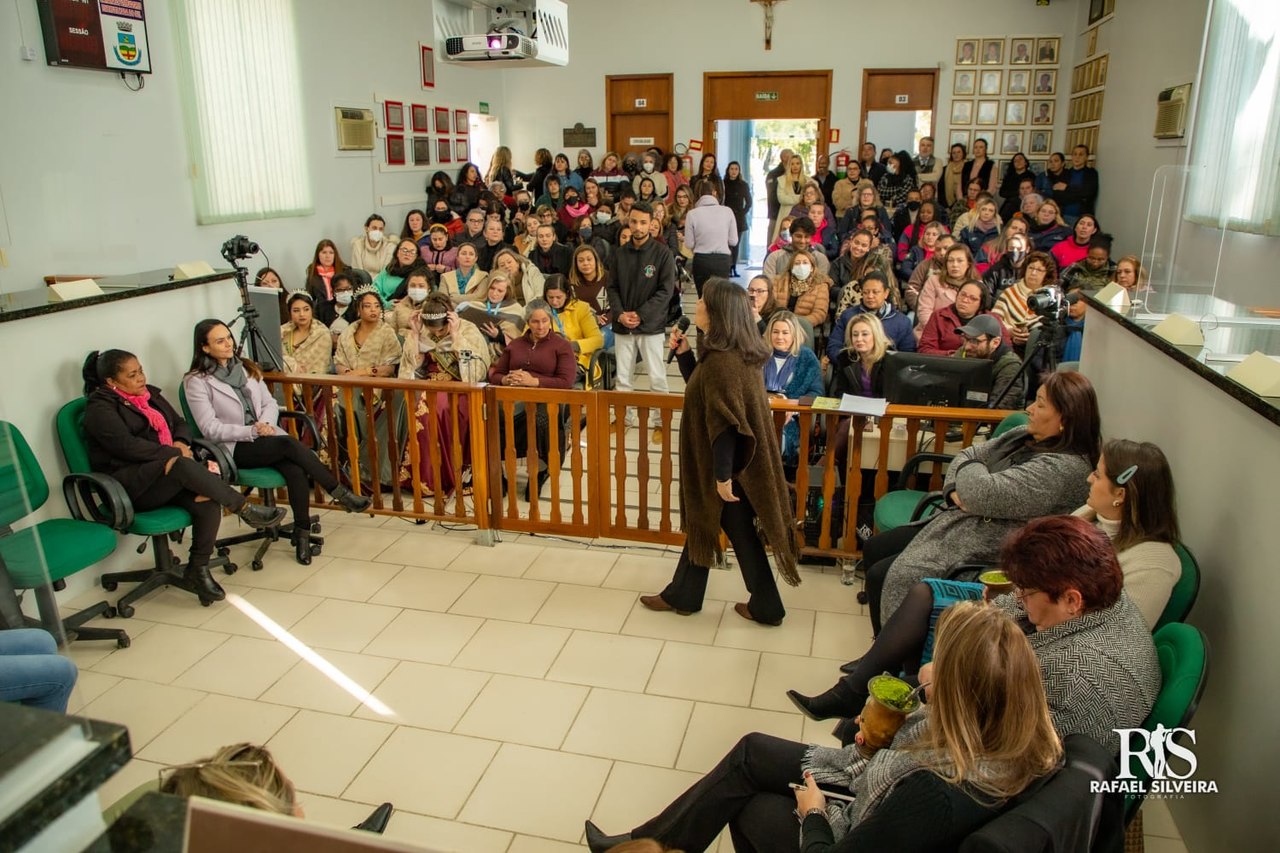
pixel 730 467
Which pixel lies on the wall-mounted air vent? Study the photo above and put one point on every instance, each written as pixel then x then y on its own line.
pixel 355 129
pixel 1171 112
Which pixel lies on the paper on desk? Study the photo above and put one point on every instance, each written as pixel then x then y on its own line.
pixel 850 404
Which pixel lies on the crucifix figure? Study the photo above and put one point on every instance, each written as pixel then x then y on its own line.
pixel 768 21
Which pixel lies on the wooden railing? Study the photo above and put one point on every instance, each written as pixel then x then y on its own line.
pixel 602 479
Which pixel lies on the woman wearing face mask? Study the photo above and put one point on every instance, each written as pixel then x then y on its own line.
pixel 1038 270
pixel 1011 249
pixel 417 287
pixel 898 180
pixel 737 197
pixel 467 280
pixel 791 186
pixel 439 346
pixel 1076 248
pixel 372 251
pixel 1048 229
pixel 436 252
pixel 941 286
pixel 941 335
pixel 792 372
pixel 443 216
pixel 583 233
pixel 573 209
pixel 325 263
pixel 803 290
pixel 573 319
pixel 343 311
pixel 439 188
pixel 407 259
pixel 995 248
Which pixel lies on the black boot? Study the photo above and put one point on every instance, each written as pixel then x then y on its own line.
pixel 839 701
pixel 349 500
pixel 598 842
pixel 259 516
pixel 201 582
pixel 302 547
pixel 851 667
pixel 845 731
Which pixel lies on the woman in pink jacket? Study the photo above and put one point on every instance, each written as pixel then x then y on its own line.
pixel 232 406
pixel 941 286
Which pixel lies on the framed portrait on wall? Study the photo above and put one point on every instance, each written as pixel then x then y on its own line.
pixel 1047 51
pixel 442 120
pixel 444 150
pixel 461 151
pixel 1046 82
pixel 962 112
pixel 1015 112
pixel 988 113
pixel 959 137
pixel 461 121
pixel 966 51
pixel 393 115
pixel 422 151
pixel 993 51
pixel 427 61
pixel 1011 142
pixel 420 118
pixel 965 83
pixel 990 82
pixel 1021 51
pixel 395 149
pixel 1019 81
pixel 1040 141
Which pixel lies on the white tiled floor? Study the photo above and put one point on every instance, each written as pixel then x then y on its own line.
pixel 527 688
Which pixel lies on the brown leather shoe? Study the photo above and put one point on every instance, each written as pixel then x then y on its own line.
pixel 657 602
pixel 742 610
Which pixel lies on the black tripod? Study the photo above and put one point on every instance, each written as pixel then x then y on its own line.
pixel 259 350
pixel 1045 340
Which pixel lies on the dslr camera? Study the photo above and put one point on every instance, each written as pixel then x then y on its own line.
pixel 238 248
pixel 1050 304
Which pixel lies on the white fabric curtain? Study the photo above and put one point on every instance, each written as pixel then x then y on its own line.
pixel 241 99
pixel 1235 157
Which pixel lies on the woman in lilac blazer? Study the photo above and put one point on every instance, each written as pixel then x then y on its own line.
pixel 231 405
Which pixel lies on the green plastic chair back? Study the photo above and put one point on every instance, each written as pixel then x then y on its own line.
pixel 257 478
pixel 23 488
pixel 1184 672
pixel 1017 419
pixel 1183 596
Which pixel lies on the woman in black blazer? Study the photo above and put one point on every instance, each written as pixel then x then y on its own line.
pixel 135 436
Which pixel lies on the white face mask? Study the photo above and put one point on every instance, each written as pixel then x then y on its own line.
pixel 648 167
pixel 342 297
pixel 375 236
pixel 602 217
pixel 417 294
pixel 801 271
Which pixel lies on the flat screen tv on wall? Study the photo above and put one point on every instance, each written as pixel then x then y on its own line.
pixel 103 35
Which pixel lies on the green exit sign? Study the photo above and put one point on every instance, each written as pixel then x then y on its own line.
pixel 766 96
pixel 484 108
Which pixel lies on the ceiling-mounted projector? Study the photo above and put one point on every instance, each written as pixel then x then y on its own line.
pixel 490 46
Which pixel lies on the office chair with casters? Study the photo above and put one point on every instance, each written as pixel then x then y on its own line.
pixel 42 556
pixel 1185 591
pixel 99 498
pixel 266 480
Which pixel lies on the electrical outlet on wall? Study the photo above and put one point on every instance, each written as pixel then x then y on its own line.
pixel 27 52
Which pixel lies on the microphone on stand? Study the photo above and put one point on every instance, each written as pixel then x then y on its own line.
pixel 682 326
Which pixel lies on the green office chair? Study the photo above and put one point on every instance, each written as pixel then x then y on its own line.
pixel 1185 591
pixel 1184 672
pixel 266 481
pixel 904 504
pixel 42 556
pixel 99 498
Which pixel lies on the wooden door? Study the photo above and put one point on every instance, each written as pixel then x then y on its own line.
pixel 892 89
pixel 765 95
pixel 640 111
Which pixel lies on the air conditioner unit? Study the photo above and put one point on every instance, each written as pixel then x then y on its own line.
pixel 507 33
pixel 355 129
pixel 1171 112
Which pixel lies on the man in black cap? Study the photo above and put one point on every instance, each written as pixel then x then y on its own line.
pixel 983 339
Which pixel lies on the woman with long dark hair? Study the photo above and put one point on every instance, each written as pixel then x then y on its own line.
pixel 232 406
pixel 466 192
pixel 731 466
pixel 898 180
pixel 325 263
pixel 737 197
pixel 979 168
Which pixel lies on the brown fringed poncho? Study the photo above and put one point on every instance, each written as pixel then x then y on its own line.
pixel 725 393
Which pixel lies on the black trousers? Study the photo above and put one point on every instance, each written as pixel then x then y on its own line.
pixel 541 433
pixel 748 791
pixel 296 463
pixel 689 585
pixel 706 265
pixel 878 554
pixel 186 481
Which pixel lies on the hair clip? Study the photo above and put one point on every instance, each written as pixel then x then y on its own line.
pixel 366 288
pixel 1126 475
pixel 299 294
pixel 430 318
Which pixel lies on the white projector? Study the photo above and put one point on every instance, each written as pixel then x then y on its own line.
pixel 490 46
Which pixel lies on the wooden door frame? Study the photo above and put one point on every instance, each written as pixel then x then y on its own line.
pixel 671 110
pixel 709 118
pixel 933 101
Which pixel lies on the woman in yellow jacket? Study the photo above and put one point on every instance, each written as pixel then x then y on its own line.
pixel 573 319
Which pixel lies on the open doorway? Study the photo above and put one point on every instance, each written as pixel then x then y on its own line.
pixel 483 130
pixel 756 144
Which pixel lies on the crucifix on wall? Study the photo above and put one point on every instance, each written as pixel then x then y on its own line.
pixel 767 5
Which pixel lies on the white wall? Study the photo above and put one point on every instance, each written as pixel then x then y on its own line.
pixel 93 176
pixel 1223 460
pixel 689 38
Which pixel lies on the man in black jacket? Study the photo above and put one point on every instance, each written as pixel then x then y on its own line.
pixel 490 244
pixel 643 280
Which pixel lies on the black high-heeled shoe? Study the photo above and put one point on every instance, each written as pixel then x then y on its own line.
pixel 836 702
pixel 302 547
pixel 350 501
pixel 201 582
pixel 598 842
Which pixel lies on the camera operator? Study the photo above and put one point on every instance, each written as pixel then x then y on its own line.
pixel 1012 308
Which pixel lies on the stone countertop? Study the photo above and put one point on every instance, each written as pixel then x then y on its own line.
pixel 156 823
pixel 35 302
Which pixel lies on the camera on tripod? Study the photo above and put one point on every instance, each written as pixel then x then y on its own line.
pixel 1050 304
pixel 239 247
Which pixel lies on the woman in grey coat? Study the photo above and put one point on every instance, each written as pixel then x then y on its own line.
pixel 992 489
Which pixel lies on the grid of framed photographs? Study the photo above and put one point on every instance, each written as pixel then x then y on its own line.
pixel 1004 90
pixel 419 135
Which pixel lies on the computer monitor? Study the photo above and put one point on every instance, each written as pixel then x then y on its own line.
pixel 912 379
